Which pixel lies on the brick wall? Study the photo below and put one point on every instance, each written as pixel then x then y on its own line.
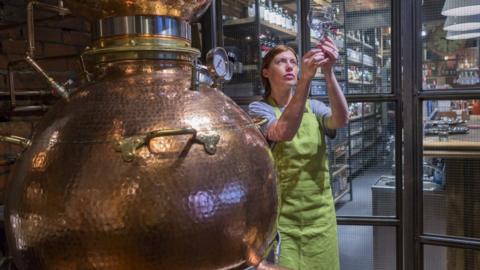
pixel 55 36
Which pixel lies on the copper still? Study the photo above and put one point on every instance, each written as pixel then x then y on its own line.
pixel 146 166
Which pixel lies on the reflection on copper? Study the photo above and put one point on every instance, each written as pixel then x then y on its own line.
pixel 202 204
pixel 147 69
pixel 129 189
pixel 118 129
pixel 53 140
pixel 198 121
pixel 129 70
pixel 34 191
pixel 83 94
pixel 39 161
pixel 251 239
pixel 163 144
pixel 252 257
pixel 232 193
pixel 17 232
pixel 108 213
pixel 145 154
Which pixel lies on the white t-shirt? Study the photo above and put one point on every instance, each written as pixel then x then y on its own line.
pixel 264 110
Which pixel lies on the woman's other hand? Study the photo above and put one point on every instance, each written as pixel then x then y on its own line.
pixel 311 61
pixel 331 54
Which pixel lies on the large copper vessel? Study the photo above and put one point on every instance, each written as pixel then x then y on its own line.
pixel 138 169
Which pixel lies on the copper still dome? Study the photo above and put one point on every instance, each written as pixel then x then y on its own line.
pixel 139 169
pixel 100 9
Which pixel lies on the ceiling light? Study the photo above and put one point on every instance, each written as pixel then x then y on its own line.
pixel 462 23
pixel 461 7
pixel 455 35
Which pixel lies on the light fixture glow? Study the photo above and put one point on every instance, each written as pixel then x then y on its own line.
pixel 462 23
pixel 456 35
pixel 461 7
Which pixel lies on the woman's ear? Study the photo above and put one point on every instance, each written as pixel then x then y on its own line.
pixel 265 73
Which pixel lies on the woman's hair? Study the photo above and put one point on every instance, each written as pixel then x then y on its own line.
pixel 267 59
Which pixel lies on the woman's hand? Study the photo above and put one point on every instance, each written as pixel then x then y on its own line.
pixel 331 54
pixel 311 61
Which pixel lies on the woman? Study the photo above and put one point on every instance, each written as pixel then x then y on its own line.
pixel 297 127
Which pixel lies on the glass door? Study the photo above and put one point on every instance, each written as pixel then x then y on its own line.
pixel 443 149
pixel 365 163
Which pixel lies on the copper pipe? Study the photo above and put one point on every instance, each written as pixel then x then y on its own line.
pixel 32 108
pixel 57 87
pixel 12 64
pixel 31 45
pixel 31 21
pixel 11 86
pixel 11 80
pixel 30 29
pixel 88 75
pixel 16 140
pixel 26 93
pixel 62 11
pixel 194 85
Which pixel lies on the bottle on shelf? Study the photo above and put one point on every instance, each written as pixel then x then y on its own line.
pixel 251 9
pixel 261 9
pixel 295 24
pixel 282 18
pixel 267 12
pixel 263 45
pixel 276 18
pixel 273 14
pixel 267 42
pixel 288 21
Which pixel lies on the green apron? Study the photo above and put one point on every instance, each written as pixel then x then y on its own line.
pixel 307 221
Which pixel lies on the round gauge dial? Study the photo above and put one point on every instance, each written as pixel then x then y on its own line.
pixel 218 64
pixel 229 74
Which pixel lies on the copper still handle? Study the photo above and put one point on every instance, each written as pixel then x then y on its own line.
pixel 16 140
pixel 128 145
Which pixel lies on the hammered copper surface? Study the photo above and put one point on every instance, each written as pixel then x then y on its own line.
pixel 99 9
pixel 74 203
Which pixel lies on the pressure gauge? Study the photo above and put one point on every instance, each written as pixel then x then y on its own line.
pixel 229 74
pixel 218 65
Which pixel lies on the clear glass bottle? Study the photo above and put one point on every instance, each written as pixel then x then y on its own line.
pixel 251 9
pixel 261 9
pixel 285 19
pixel 276 18
pixel 280 16
pixel 295 25
pixel 268 11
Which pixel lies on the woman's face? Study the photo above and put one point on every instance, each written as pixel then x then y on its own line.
pixel 282 71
